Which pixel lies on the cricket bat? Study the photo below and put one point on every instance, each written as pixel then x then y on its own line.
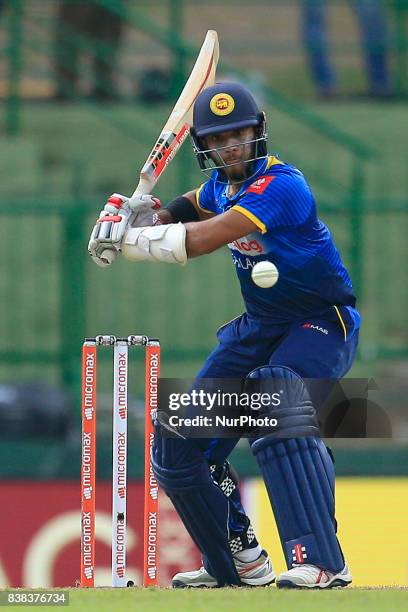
pixel 177 127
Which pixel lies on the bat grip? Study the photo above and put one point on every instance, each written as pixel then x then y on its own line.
pixel 109 256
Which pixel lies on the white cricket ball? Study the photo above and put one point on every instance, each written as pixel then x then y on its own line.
pixel 265 274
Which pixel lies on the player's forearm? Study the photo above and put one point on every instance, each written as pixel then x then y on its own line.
pixel 198 242
pixel 175 242
pixel 208 236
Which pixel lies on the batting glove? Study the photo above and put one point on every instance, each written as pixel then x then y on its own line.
pixel 107 234
pixel 119 213
pixel 144 208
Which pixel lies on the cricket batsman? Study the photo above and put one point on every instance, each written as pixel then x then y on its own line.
pixel 304 327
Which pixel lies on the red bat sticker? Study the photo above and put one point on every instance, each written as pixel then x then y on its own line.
pixel 164 151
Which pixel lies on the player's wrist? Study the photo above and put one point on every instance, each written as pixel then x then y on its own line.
pixel 165 217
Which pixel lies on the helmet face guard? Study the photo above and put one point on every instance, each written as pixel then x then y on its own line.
pixel 211 159
pixel 221 108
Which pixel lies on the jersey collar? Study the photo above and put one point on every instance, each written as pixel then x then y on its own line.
pixel 261 166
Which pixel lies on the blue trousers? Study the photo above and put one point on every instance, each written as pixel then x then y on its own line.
pixel 313 348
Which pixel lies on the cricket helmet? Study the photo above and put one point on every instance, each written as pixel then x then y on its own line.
pixel 221 108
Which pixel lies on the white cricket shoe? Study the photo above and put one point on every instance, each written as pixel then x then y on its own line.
pixel 306 576
pixel 252 573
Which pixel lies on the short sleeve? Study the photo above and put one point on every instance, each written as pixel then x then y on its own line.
pixel 205 198
pixel 274 201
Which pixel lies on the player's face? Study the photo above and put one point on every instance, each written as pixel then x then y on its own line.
pixel 232 150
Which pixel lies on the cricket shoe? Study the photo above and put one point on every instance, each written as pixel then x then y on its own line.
pixel 312 577
pixel 252 573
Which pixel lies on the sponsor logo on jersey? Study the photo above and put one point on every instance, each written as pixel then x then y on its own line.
pixel 260 184
pixel 320 329
pixel 222 104
pixel 243 263
pixel 247 246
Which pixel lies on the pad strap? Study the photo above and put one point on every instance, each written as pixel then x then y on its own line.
pixel 227 479
pixel 222 477
pixel 243 541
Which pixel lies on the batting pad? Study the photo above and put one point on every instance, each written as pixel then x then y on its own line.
pixel 184 474
pixel 299 477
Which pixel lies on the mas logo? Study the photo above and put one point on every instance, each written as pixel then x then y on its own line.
pixel 222 104
pixel 323 330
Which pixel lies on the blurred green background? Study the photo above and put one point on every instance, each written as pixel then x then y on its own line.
pixel 66 146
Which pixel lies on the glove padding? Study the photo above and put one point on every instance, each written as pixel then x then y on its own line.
pixel 107 234
pixel 144 207
pixel 119 214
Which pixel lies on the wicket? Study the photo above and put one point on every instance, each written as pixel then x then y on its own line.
pixel 119 466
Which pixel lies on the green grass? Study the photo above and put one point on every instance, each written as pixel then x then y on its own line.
pixel 237 600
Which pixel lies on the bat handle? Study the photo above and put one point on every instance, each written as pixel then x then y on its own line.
pixel 145 185
pixel 109 255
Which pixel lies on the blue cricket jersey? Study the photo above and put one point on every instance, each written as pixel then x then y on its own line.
pixel 312 277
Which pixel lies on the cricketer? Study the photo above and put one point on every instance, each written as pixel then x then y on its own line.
pixel 304 327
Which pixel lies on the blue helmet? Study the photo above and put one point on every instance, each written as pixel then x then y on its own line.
pixel 224 107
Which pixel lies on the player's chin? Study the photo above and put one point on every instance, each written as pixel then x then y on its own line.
pixel 237 173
